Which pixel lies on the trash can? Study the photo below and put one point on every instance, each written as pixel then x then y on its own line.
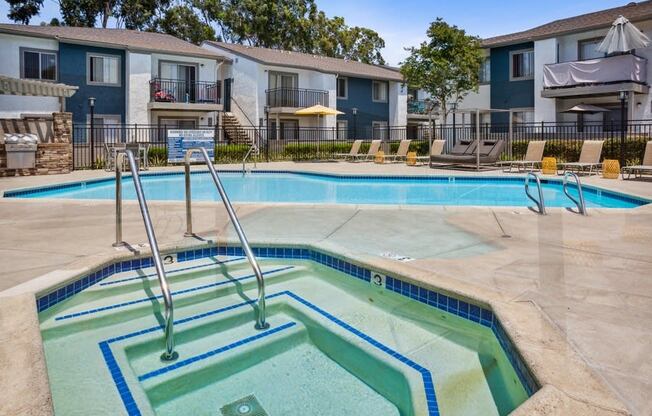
pixel 21 150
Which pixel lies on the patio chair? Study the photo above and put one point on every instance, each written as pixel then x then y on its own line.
pixel 401 152
pixel 466 154
pixel 589 158
pixel 645 166
pixel 436 149
pixel 533 157
pixel 374 147
pixel 355 150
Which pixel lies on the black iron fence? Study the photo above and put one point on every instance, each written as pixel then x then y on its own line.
pixel 563 140
pixel 184 91
pixel 296 97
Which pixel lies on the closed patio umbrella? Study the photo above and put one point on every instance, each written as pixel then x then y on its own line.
pixel 623 37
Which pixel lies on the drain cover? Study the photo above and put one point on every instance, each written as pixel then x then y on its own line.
pixel 247 406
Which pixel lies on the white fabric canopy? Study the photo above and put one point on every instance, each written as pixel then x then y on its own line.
pixel 623 37
pixel 621 68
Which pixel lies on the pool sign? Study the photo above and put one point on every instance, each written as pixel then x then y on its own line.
pixel 181 140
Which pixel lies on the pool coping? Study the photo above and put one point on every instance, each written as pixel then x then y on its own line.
pixel 560 372
pixel 517 177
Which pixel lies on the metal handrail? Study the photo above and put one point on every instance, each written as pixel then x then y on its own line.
pixel 260 317
pixel 169 354
pixel 244 159
pixel 581 205
pixel 541 205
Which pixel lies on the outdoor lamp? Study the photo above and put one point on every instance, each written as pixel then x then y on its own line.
pixel 354 111
pixel 91 101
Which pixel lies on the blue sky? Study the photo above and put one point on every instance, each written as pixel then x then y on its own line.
pixel 403 23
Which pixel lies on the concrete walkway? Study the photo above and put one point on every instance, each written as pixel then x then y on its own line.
pixel 589 275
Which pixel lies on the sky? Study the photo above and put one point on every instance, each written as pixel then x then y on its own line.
pixel 404 23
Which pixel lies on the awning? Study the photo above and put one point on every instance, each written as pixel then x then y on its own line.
pixel 17 86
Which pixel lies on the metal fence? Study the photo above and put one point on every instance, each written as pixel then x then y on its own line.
pixel 563 140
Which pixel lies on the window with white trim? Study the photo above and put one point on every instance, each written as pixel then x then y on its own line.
pixel 342 129
pixel 485 71
pixel 38 64
pixel 342 88
pixel 521 65
pixel 103 69
pixel 379 91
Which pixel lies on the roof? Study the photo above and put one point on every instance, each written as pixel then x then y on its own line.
pixel 116 38
pixel 308 61
pixel 590 21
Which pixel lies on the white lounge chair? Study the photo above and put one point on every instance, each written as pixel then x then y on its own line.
pixel 532 159
pixel 355 150
pixel 374 147
pixel 589 158
pixel 645 166
pixel 401 152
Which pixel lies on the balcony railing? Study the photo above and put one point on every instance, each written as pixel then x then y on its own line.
pixel 296 97
pixel 613 69
pixel 164 90
pixel 416 107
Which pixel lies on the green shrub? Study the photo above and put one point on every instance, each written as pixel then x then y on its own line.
pixel 230 153
pixel 568 150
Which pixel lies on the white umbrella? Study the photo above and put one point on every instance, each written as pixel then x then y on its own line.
pixel 623 37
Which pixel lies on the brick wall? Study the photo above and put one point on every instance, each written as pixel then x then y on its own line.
pixel 52 157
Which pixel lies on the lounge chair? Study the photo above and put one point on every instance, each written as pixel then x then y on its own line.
pixel 355 150
pixel 374 147
pixel 645 166
pixel 436 149
pixel 533 157
pixel 589 158
pixel 466 153
pixel 401 152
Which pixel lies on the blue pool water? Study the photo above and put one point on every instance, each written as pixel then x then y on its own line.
pixel 280 187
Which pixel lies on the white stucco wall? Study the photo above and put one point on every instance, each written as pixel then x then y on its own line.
pixel 139 73
pixel 397 104
pixel 545 52
pixel 14 106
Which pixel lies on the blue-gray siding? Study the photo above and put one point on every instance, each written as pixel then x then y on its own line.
pixel 359 96
pixel 507 94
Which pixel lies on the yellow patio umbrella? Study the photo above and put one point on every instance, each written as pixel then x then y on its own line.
pixel 317 110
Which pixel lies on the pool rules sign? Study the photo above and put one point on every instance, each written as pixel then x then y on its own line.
pixel 181 140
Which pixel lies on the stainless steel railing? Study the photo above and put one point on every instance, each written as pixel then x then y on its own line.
pixel 260 317
pixel 581 205
pixel 541 205
pixel 252 150
pixel 169 354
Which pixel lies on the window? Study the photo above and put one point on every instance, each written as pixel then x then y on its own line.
pixel 379 91
pixel 379 130
pixel 38 64
pixel 522 65
pixel 588 49
pixel 342 129
pixel 342 88
pixel 283 80
pixel 103 69
pixel 178 123
pixel 523 116
pixel 485 71
pixel 108 128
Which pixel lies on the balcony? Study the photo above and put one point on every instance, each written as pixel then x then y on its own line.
pixel 182 94
pixel 417 107
pixel 595 77
pixel 295 97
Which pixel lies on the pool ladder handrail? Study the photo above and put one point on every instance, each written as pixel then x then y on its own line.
pixel 169 354
pixel 260 317
pixel 581 205
pixel 253 149
pixel 541 204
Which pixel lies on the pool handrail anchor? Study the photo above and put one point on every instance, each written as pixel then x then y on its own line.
pixel 541 205
pixel 169 354
pixel 581 205
pixel 260 312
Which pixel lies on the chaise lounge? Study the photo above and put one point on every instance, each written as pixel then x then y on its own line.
pixel 589 158
pixel 645 166
pixel 532 159
pixel 465 153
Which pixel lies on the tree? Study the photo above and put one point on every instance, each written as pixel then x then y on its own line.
pixel 21 11
pixel 140 15
pixel 335 39
pixel 183 23
pixel 447 65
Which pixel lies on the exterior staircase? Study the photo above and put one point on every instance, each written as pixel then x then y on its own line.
pixel 234 132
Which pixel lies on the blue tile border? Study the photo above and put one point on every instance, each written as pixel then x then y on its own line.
pixel 439 300
pixel 132 408
pixel 21 193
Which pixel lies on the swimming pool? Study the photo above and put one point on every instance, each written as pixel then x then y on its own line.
pixel 293 187
pixel 340 342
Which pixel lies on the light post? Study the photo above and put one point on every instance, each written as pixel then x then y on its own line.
pixel 354 111
pixel 267 133
pixel 430 106
pixel 622 95
pixel 91 104
pixel 454 109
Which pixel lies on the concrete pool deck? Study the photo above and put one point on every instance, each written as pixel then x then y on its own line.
pixel 589 276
